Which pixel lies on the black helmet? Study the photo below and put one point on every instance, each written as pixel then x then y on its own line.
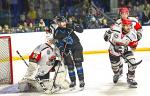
pixel 61 19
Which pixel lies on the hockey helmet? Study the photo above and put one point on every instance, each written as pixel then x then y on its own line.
pixel 126 22
pixel 123 10
pixel 61 19
pixel 49 37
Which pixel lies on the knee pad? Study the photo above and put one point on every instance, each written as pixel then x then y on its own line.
pixel 70 67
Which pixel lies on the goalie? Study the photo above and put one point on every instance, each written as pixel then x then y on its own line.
pixel 43 60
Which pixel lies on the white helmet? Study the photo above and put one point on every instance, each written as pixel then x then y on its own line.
pixel 49 37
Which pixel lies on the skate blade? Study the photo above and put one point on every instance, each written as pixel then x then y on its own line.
pixel 73 88
pixel 81 89
pixel 132 86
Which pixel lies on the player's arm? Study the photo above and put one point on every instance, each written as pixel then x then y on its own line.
pixel 138 28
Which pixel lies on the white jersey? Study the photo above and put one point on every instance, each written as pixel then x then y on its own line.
pixel 118 38
pixel 40 63
pixel 46 53
pixel 133 20
pixel 42 55
pixel 136 26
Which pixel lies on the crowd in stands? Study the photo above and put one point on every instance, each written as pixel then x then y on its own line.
pixel 39 14
pixel 139 9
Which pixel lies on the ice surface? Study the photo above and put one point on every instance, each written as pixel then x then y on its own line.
pixel 98 78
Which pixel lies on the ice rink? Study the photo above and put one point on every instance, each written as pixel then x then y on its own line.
pixel 98 78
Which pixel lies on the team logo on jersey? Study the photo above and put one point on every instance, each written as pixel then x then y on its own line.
pixel 48 52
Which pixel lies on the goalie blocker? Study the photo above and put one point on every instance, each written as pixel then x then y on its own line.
pixel 44 59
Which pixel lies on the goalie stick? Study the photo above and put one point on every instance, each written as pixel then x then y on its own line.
pixel 62 55
pixel 54 79
pixel 22 58
pixel 36 78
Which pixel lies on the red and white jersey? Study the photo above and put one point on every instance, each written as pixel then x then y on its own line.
pixel 118 38
pixel 42 55
pixel 135 23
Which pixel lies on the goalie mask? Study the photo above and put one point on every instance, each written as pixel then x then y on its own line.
pixel 49 38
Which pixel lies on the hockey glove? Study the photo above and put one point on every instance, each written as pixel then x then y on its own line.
pixel 133 44
pixel 121 49
pixel 107 35
pixel 51 61
pixel 52 58
pixel 139 35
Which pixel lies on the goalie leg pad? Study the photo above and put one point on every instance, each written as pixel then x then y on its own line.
pixel 31 71
pixel 23 86
pixel 61 77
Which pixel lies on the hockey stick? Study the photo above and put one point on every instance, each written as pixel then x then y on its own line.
pixel 133 64
pixel 22 58
pixel 106 16
pixel 54 79
pixel 36 78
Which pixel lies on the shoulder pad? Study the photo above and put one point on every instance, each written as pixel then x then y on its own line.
pixel 133 19
pixel 116 28
pixel 40 48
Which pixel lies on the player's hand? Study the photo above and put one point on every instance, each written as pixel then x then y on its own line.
pixel 52 58
pixel 133 44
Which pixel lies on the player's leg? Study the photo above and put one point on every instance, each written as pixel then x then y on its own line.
pixel 77 56
pixel 71 71
pixel 116 66
pixel 131 69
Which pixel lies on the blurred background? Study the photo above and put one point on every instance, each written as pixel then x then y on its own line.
pixel 36 15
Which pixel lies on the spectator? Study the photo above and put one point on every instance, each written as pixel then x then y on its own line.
pixel 25 27
pixel 41 25
pixel 7 29
pixel 20 29
pixel 31 15
pixel 31 27
pixel 104 23
pixel 1 30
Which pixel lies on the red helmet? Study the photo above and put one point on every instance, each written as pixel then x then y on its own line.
pixel 123 10
pixel 126 22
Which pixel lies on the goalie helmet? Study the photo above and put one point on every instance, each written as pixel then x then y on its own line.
pixel 49 37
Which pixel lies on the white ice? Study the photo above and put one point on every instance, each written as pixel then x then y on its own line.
pixel 98 78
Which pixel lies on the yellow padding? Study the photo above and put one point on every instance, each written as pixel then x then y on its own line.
pixel 106 51
pixel 85 52
pixel 18 58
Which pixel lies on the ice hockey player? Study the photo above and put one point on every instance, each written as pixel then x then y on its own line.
pixel 43 60
pixel 124 14
pixel 71 49
pixel 123 41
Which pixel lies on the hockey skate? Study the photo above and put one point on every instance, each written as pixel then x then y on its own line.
pixel 72 85
pixel 82 84
pixel 117 76
pixel 132 83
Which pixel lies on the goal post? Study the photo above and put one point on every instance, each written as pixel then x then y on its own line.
pixel 6 68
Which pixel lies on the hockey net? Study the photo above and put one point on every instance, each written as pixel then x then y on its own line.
pixel 6 72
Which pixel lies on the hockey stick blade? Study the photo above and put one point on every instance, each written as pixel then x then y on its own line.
pixel 133 64
pixel 137 63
